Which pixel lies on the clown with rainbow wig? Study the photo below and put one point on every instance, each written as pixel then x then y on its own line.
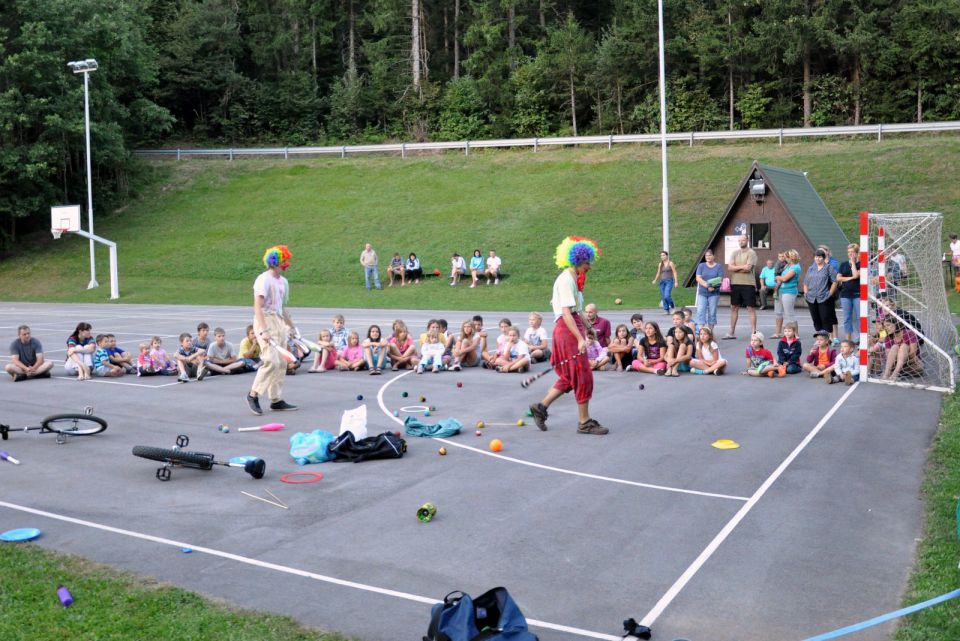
pixel 273 327
pixel 574 256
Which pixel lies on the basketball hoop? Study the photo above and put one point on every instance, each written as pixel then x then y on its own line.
pixel 57 231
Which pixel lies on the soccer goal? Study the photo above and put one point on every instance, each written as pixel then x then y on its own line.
pixel 907 337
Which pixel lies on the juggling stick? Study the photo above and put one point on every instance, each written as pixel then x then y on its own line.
pixel 5 456
pixel 527 381
pixel 311 345
pixel 269 427
pixel 253 496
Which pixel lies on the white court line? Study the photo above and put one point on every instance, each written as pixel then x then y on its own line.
pixel 105 382
pixel 283 568
pixel 688 574
pixel 550 468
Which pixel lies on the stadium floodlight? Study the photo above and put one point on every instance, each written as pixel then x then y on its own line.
pixel 85 67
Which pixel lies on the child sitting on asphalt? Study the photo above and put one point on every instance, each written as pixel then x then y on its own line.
pixel 636 333
pixel 596 354
pixel 160 358
pixel 821 356
pixel 202 340
pixel 620 348
pixel 535 337
pixel 190 360
pixel 375 348
pixel 651 350
pixel 846 368
pixel 490 355
pixel 403 353
pixel 339 334
pixel 689 322
pixel 221 357
pixel 145 363
pixel 351 357
pixel 513 355
pixel 120 357
pixel 759 358
pixel 101 359
pixel 681 352
pixel 707 359
pixel 431 353
pixel 326 358
pixel 789 351
pixel 250 350
pixel 466 349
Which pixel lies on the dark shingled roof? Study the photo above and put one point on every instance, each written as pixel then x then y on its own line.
pixel 802 203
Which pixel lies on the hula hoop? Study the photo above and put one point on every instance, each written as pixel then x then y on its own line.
pixel 313 477
pixel 411 409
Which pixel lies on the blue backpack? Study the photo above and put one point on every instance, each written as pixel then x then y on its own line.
pixel 492 616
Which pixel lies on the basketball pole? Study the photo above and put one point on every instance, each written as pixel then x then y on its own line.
pixel 665 194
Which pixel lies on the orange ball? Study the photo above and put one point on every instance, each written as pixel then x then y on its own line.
pixel 496 445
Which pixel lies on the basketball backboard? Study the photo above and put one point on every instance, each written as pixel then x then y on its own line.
pixel 64 218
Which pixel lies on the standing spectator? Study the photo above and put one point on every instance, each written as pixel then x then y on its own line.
pixel 458 267
pixel 833 262
pixel 955 251
pixel 819 286
pixel 493 268
pixel 849 279
pixel 600 324
pixel 396 267
pixel 743 286
pixel 476 267
pixel 26 357
pixel 768 284
pixel 413 268
pixel 666 276
pixel 788 282
pixel 368 258
pixel 709 278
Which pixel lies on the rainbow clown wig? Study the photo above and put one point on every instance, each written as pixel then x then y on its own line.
pixel 576 250
pixel 277 256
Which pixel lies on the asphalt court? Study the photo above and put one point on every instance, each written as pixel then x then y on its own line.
pixel 810 525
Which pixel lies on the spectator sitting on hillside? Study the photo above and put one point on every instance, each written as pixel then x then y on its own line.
pixel 476 267
pixel 413 268
pixel 493 268
pixel 458 267
pixel 396 267
pixel 26 357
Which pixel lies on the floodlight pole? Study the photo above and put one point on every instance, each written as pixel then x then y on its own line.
pixel 85 67
pixel 665 194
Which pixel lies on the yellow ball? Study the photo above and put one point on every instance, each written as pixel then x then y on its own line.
pixel 618 302
pixel 442 451
pixel 496 445
pixel 479 425
pixel 520 423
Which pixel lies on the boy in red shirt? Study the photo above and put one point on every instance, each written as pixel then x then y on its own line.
pixel 759 359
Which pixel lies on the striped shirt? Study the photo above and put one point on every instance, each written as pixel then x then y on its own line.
pixel 818 283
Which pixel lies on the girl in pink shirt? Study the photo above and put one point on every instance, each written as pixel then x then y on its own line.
pixel 351 357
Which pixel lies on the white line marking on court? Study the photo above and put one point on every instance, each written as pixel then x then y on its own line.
pixel 597 477
pixel 688 574
pixel 97 380
pixel 283 568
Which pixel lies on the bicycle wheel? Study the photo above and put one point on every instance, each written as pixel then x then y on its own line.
pixel 73 424
pixel 200 460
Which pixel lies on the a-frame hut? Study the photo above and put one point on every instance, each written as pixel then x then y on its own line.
pixel 778 209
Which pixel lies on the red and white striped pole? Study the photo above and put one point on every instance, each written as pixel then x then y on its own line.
pixel 864 289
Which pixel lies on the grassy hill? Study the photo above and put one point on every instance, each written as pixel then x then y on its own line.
pixel 198 230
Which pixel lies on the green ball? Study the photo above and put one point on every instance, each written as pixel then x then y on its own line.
pixel 403 394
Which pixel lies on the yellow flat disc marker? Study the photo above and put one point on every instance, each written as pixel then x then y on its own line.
pixel 725 444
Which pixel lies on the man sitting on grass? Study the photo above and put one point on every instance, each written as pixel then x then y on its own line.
pixel 26 357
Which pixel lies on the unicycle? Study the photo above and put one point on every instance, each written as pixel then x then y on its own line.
pixel 177 457
pixel 63 425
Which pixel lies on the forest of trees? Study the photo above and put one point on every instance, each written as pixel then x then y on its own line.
pixel 300 72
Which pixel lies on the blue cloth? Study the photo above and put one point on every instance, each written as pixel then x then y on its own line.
pixel 476 262
pixel 768 276
pixel 790 287
pixel 707 309
pixel 706 272
pixel 851 315
pixel 447 427
pixel 666 291
pixel 371 271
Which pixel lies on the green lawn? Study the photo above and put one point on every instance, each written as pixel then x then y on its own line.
pixel 113 606
pixel 198 230
pixel 936 572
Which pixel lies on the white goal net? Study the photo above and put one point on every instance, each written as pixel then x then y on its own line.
pixel 912 339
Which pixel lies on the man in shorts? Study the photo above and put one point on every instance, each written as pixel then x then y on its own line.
pixel 26 357
pixel 741 265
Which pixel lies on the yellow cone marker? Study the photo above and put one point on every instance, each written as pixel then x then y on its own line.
pixel 725 444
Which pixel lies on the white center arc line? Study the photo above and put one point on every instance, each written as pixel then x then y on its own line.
pixel 283 568
pixel 708 551
pixel 551 468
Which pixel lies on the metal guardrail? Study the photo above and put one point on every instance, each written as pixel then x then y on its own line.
pixel 466 145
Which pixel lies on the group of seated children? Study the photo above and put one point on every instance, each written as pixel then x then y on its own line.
pixel 196 356
pixel 436 350
pixel 822 361
pixel 480 267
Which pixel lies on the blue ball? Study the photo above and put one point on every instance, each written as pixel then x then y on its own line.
pixel 396 413
pixel 426 412
pixel 359 397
